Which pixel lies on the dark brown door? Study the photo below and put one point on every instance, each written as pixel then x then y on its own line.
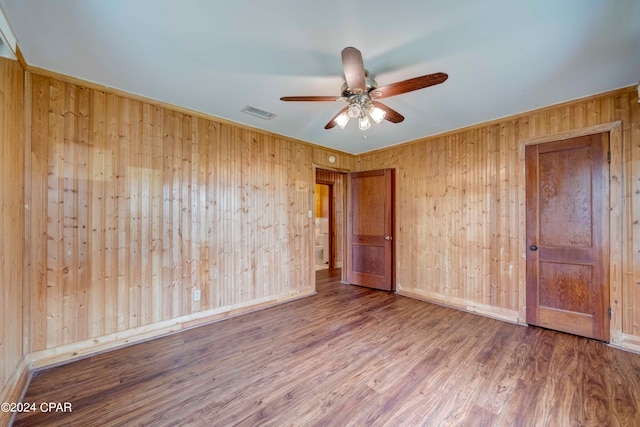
pixel 567 235
pixel 371 229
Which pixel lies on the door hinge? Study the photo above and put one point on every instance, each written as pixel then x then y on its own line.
pixel 609 312
pixel 609 156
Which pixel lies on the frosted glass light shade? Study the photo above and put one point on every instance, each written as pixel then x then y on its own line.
pixel 377 114
pixel 364 123
pixel 342 120
pixel 354 111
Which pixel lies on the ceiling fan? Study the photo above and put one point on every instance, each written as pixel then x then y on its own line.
pixel 361 93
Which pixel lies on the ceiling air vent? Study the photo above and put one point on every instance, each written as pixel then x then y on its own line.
pixel 254 111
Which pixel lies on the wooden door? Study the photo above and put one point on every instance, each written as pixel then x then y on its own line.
pixel 371 229
pixel 568 235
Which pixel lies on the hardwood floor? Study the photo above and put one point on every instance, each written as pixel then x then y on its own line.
pixel 348 356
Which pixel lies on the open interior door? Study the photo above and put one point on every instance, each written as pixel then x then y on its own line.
pixel 370 231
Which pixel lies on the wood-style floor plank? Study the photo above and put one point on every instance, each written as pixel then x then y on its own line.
pixel 348 356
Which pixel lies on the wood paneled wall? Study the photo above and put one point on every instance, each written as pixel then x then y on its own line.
pixel 134 206
pixel 11 222
pixel 340 211
pixel 458 217
pixel 460 209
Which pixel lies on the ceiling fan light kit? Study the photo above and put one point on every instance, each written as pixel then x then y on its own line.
pixel 342 120
pixel 364 123
pixel 361 108
pixel 377 114
pixel 354 111
pixel 362 92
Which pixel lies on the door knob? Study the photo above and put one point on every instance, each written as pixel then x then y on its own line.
pixel 387 237
pixel 533 247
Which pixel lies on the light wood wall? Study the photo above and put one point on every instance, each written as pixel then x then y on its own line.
pixel 11 222
pixel 134 206
pixel 460 209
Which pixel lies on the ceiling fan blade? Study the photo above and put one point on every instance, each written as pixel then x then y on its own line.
pixel 353 69
pixel 390 114
pixel 311 98
pixel 408 85
pixel 333 123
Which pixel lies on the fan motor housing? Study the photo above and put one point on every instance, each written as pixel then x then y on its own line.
pixel 369 83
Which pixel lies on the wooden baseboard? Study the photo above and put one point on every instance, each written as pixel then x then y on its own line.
pixel 504 314
pixel 14 389
pixel 68 352
pixel 629 343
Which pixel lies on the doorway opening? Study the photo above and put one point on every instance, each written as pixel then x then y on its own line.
pixel 329 219
pixel 322 253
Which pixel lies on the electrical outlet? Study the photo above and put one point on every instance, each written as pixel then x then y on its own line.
pixel 196 294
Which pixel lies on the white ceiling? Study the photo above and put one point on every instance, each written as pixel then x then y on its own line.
pixel 502 56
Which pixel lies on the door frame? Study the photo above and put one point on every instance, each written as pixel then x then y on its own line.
pixel 343 241
pixel 331 208
pixel 616 193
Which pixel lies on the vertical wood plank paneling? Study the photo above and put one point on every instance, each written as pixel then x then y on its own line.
pixel 457 161
pixel 247 259
pixel 511 182
pixel 267 226
pixel 207 138
pixel 12 219
pixel 438 191
pixel 188 218
pixel 134 190
pixel 69 204
pixel 84 208
pixel 123 232
pixel 111 206
pixel 167 214
pixel 474 228
pixel 224 192
pixel 280 221
pixel 619 214
pixel 497 202
pixel 632 137
pixel 194 218
pixel 146 244
pixel 235 257
pixel 28 246
pixel 55 219
pixel 99 174
pixel 140 205
pixel 177 243
pixel 523 130
pixel 416 189
pixel 38 203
